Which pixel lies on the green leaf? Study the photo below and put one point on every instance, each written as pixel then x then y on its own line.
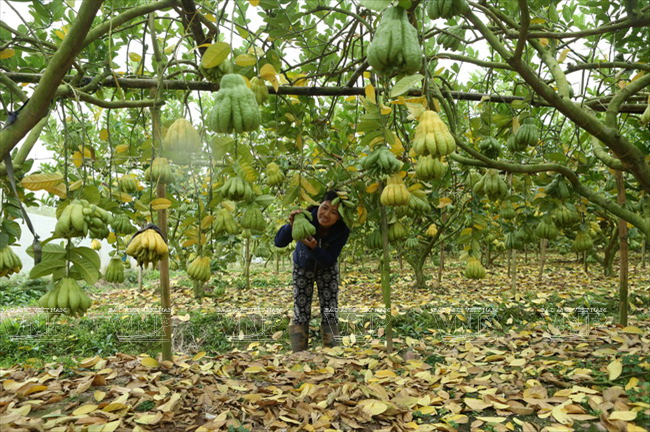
pixel 291 195
pixel 45 268
pixel 377 5
pixel 518 104
pixel 557 157
pixel 86 264
pixel 405 84
pixel 265 200
pixel 91 193
pixel 222 146
pixel 215 55
pixel 11 227
pixel 49 251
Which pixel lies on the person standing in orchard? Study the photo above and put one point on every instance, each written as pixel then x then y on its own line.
pixel 315 260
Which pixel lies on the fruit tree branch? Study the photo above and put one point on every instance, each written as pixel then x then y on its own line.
pixel 483 161
pixel 128 15
pixel 149 83
pixel 627 152
pixel 39 104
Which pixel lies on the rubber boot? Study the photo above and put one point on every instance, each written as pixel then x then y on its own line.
pixel 329 331
pixel 298 334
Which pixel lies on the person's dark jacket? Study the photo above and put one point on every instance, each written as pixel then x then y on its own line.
pixel 325 254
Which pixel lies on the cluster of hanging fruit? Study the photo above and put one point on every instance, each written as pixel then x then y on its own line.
pixel 148 246
pixel 68 297
pixel 9 262
pixel 80 219
pixel 114 271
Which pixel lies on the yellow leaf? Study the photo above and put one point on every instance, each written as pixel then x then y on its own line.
pixel 149 419
pixel 199 356
pixel 135 57
pixel 563 55
pixel 188 243
pixel 149 362
pixel 215 55
pixel 428 410
pixel 170 404
pixel 160 204
pixel 634 428
pixel 518 362
pixel 122 148
pixel 268 72
pixel 36 182
pixel 632 383
pixel 476 404
pixel 122 196
pixel 58 190
pixel 255 369
pixel 89 362
pixel 350 99
pixel 444 202
pixel 372 188
pixel 637 76
pixel 492 419
pixel 244 60
pixel 103 134
pixel 254 3
pixel 99 395
pixel 114 406
pixel 632 330
pixel 623 415
pixel 614 368
pixel 210 17
pixel 59 34
pixel 543 42
pixel 23 410
pixel 307 186
pixel 84 409
pixel 385 373
pixel 7 53
pixel 373 407
pixel 371 94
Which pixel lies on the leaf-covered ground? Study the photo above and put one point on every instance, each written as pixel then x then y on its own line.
pixel 546 358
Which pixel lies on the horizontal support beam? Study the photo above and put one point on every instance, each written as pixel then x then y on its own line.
pixel 150 83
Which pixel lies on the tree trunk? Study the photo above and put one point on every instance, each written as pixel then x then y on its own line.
pixel 140 271
pixel 163 265
pixel 247 262
pixel 513 276
pixel 441 264
pixel 609 254
pixel 385 280
pixel 198 289
pixel 525 254
pixel 623 259
pixel 510 264
pixel 542 257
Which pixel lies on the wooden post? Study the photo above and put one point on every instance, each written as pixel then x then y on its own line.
pixel 163 265
pixel 513 276
pixel 385 278
pixel 623 254
pixel 542 257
